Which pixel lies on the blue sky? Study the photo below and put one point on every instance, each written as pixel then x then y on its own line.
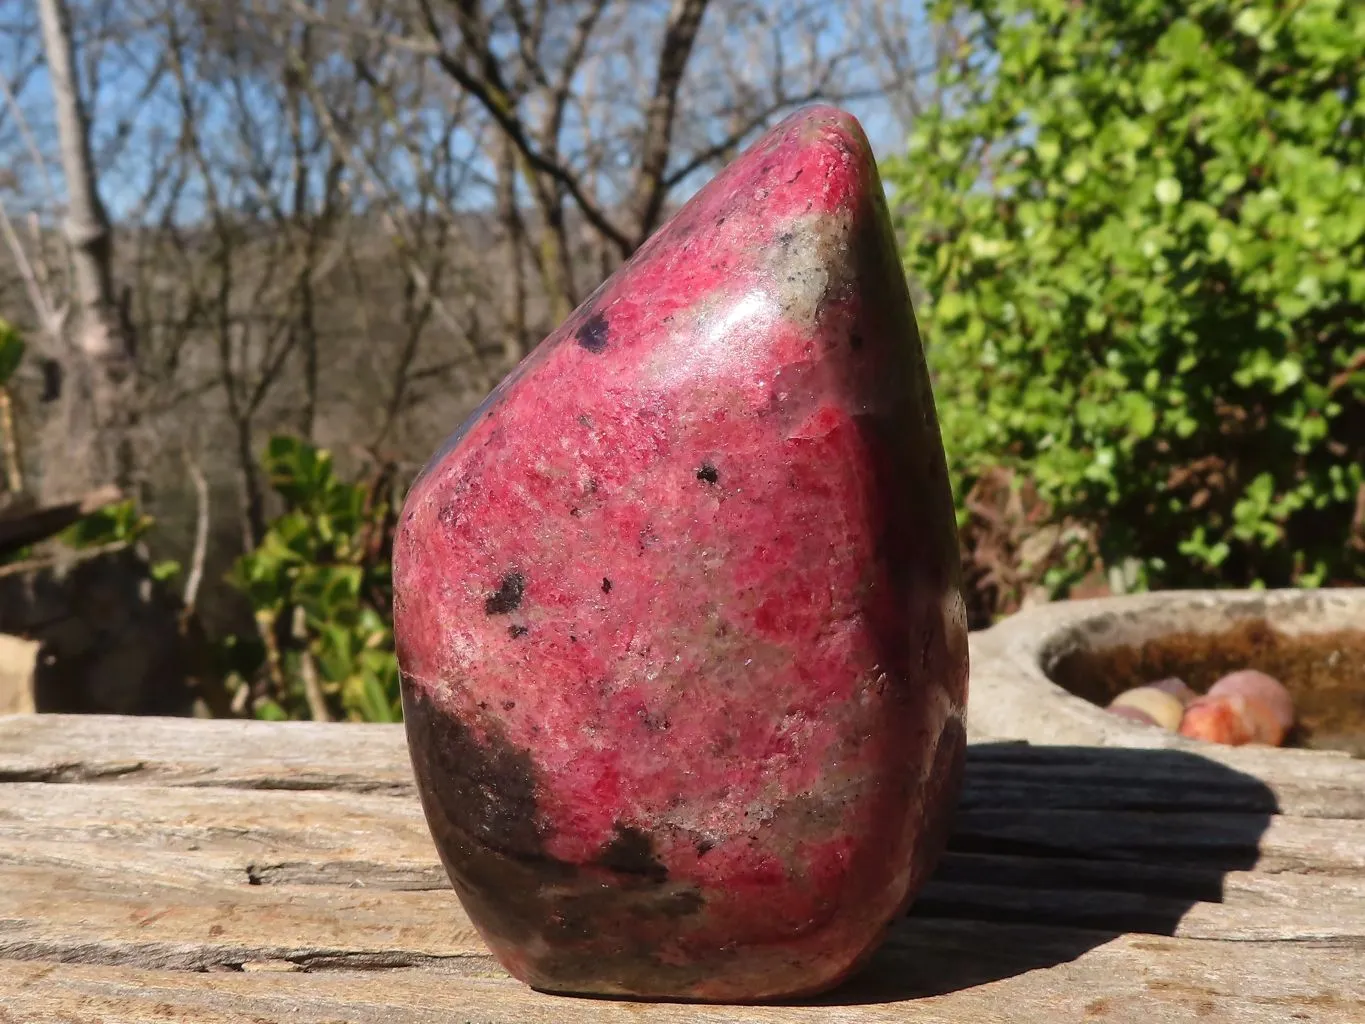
pixel 135 125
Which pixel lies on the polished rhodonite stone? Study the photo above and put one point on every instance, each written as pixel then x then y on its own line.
pixel 678 613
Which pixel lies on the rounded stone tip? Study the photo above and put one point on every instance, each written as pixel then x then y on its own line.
pixel 824 115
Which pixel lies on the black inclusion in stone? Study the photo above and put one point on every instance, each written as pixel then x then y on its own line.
pixel 507 598
pixel 593 334
pixel 517 632
pixel 708 474
pixel 631 852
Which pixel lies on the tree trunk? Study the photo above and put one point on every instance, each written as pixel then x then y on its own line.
pixel 86 439
pixel 514 316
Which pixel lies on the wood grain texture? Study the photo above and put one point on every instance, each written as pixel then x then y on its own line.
pixel 242 871
pixel 1154 981
pixel 374 759
pixel 222 753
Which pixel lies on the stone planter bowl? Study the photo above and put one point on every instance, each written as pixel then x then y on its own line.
pixel 1044 674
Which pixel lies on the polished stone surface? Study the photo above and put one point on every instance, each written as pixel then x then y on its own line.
pixel 677 610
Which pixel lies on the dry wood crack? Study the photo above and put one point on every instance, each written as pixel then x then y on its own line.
pixel 155 869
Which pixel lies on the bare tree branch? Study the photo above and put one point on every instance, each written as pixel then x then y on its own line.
pixel 684 21
pixel 495 98
pixel 51 319
pixel 199 552
pixel 100 336
pixel 98 399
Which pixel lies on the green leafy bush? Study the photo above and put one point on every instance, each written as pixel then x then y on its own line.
pixel 12 348
pixel 319 583
pixel 1141 231
pixel 121 524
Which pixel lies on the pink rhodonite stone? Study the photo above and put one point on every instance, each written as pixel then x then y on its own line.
pixel 678 613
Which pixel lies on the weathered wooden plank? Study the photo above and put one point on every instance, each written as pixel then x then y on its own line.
pixel 260 829
pixel 109 918
pixel 933 972
pixel 168 915
pixel 1192 882
pixel 1255 908
pixel 1198 903
pixel 196 847
pixel 276 826
pixel 1231 841
pixel 164 852
pixel 1290 782
pixel 199 752
pixel 373 759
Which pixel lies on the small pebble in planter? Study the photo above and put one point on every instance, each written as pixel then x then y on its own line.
pixel 1154 703
pixel 1247 706
pixel 1222 720
pixel 1132 714
pixel 1177 688
pixel 1242 707
pixel 1265 690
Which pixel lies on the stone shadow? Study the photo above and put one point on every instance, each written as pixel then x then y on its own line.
pixel 1057 850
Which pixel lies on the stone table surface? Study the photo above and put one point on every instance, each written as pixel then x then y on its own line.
pixel 182 870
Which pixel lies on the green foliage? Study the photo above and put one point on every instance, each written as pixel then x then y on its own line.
pixel 319 583
pixel 120 524
pixel 1141 228
pixel 11 351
